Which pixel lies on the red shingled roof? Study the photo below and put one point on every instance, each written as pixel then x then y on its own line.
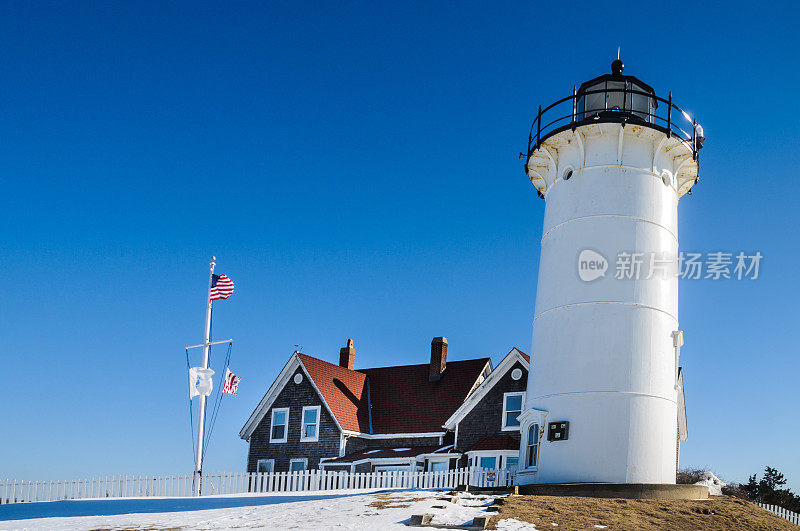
pixel 496 441
pixel 527 358
pixel 345 392
pixel 403 400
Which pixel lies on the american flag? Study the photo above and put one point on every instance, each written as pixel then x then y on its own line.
pixel 221 287
pixel 231 382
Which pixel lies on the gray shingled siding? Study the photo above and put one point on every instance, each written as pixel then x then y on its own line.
pixel 487 416
pixel 294 396
pixel 356 444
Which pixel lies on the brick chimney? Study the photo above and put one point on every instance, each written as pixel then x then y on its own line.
pixel 347 356
pixel 438 358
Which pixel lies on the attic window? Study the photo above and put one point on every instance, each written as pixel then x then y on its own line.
pixel 512 407
pixel 280 417
pixel 310 428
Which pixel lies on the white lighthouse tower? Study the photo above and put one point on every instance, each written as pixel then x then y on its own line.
pixel 611 161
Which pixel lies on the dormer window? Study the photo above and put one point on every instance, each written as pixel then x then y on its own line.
pixel 310 427
pixel 512 407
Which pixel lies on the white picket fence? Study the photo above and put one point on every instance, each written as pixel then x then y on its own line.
pixel 14 491
pixel 783 513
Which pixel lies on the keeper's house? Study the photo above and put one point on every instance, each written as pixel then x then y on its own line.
pixel 435 416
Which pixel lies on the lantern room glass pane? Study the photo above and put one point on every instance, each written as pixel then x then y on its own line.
pixel 615 96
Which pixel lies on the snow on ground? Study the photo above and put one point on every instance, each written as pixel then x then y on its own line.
pixel 713 483
pixel 293 510
pixel 512 524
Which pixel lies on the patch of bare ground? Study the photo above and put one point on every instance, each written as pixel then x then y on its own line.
pixel 571 512
pixel 388 501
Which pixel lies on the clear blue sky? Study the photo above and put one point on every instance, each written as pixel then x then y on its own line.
pixel 354 168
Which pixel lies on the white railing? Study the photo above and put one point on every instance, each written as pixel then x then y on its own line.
pixel 14 491
pixel 783 513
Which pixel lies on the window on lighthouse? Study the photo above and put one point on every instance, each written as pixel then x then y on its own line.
pixel 532 447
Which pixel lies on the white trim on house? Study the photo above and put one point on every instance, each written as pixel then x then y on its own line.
pixel 449 455
pixel 284 410
pixel 372 460
pixel 349 433
pixel 421 457
pixel 316 424
pixel 487 370
pixel 513 356
pixel 272 394
pixel 303 460
pixel 269 397
pixel 271 463
pixel 504 426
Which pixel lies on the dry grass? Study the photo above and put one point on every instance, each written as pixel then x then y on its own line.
pixel 389 501
pixel 570 512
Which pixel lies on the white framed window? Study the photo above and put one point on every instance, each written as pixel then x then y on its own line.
pixel 310 424
pixel 279 426
pixel 511 463
pixel 439 466
pixel 512 407
pixel 489 461
pixel 532 447
pixel 266 466
pixel 298 465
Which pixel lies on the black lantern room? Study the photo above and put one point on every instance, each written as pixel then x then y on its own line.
pixel 616 97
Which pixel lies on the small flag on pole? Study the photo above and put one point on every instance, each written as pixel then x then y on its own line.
pixel 231 382
pixel 221 287
pixel 200 382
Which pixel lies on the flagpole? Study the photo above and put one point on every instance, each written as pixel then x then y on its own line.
pixel 201 416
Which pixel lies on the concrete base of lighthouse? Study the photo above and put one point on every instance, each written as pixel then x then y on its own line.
pixel 660 491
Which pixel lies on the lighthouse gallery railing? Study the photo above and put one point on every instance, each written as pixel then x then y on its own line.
pixel 570 112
